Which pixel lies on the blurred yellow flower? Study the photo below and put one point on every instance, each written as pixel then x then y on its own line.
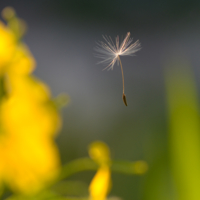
pixel 29 120
pixel 7 46
pixel 101 183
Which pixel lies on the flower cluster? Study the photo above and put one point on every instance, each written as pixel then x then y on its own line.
pixel 28 117
pixel 101 183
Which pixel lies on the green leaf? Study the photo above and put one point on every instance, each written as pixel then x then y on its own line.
pixel 184 133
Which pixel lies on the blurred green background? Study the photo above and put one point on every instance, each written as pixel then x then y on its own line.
pixel 62 36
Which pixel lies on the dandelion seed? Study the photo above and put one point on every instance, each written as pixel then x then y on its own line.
pixel 124 99
pixel 110 53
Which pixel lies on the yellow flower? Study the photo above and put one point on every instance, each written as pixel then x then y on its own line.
pixel 29 121
pixel 101 183
pixel 7 46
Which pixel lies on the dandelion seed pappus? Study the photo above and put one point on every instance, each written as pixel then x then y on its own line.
pixel 110 53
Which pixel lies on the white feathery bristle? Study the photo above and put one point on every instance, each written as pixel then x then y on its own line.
pixel 109 51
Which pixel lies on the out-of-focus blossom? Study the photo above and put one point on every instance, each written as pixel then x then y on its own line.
pixel 7 46
pixel 101 183
pixel 29 120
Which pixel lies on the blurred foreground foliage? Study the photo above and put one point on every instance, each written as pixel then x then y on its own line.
pixel 184 130
pixel 30 166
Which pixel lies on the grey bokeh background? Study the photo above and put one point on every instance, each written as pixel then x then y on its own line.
pixel 62 36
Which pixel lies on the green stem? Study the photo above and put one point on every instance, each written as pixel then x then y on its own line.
pixel 87 164
pixel 78 165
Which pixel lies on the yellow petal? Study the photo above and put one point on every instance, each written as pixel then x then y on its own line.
pixel 100 185
pixel 29 163
pixel 99 152
pixel 29 121
pixel 7 46
pixel 22 62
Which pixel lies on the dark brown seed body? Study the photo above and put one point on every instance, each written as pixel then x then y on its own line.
pixel 124 99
